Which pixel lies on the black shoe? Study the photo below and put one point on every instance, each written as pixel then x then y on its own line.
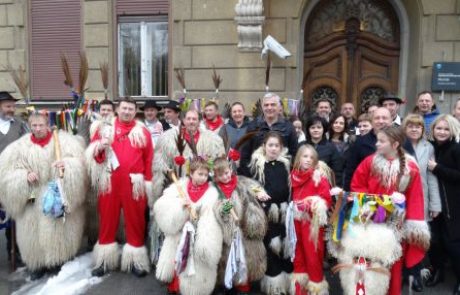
pixel 436 277
pixel 417 285
pixel 54 270
pixel 37 274
pixel 98 272
pixel 140 273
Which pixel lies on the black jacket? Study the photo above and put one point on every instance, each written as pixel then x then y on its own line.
pixel 329 154
pixel 284 127
pixel 448 172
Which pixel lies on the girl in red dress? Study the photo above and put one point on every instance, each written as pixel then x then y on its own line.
pixel 391 171
pixel 311 200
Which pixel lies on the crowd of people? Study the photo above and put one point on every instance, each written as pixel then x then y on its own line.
pixel 228 203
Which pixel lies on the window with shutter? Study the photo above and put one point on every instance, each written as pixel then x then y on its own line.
pixel 55 29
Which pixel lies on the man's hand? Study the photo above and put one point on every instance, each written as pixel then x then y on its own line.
pixel 32 177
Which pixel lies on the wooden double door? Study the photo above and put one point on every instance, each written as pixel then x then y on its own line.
pixel 349 60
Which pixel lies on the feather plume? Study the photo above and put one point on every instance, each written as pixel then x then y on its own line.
pixel 104 68
pixel 83 76
pixel 180 76
pixel 66 69
pixel 257 109
pixel 248 136
pixel 21 81
pixel 267 72
pixel 192 144
pixel 216 78
pixel 225 139
pixel 226 110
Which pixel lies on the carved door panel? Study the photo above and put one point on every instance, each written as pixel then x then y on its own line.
pixel 351 52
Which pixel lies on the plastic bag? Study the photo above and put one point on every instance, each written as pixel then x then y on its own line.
pixel 52 201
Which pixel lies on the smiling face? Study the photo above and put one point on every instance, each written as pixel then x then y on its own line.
pixel 270 108
pixel 338 126
pixel 272 148
pixel 171 116
pixel 442 132
pixel 324 109
pixel 316 131
pixel 364 127
pixel 191 121
pixel 381 118
pixel 199 176
pixel 106 110
pixel 237 113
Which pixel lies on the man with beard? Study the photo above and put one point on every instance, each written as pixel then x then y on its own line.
pixel 11 128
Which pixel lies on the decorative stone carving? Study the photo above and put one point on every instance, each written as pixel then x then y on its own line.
pixel 249 18
pixel 370 96
pixel 373 15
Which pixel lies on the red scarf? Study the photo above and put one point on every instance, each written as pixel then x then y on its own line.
pixel 122 129
pixel 196 136
pixel 213 125
pixel 196 192
pixel 228 188
pixel 299 177
pixel 41 141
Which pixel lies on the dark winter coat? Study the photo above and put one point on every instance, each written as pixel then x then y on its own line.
pixel 448 172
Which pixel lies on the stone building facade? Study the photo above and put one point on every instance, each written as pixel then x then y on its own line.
pixel 204 34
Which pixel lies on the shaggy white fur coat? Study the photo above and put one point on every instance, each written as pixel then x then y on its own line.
pixel 44 241
pixel 170 214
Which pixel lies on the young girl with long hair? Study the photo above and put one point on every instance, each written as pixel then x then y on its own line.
pixel 390 171
pixel 270 165
pixel 311 198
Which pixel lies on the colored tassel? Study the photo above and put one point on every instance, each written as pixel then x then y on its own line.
pixel 380 215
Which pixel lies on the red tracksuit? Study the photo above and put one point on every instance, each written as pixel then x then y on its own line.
pixel 132 160
pixel 308 259
pixel 363 181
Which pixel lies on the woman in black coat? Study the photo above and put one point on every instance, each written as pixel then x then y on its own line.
pixel 445 227
pixel 315 135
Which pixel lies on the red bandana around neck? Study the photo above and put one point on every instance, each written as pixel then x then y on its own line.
pixel 299 177
pixel 196 136
pixel 195 192
pixel 228 188
pixel 213 125
pixel 41 141
pixel 122 129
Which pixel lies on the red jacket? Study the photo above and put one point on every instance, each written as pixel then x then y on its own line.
pixel 304 185
pixel 364 181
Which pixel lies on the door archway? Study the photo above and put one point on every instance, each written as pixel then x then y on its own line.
pixel 351 51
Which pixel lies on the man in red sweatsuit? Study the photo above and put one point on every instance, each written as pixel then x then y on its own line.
pixel 119 161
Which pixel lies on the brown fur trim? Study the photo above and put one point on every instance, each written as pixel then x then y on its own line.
pixel 256 259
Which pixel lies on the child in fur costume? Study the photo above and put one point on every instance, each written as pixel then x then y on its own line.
pixel 392 172
pixel 188 219
pixel 242 193
pixel 270 165
pixel 311 199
